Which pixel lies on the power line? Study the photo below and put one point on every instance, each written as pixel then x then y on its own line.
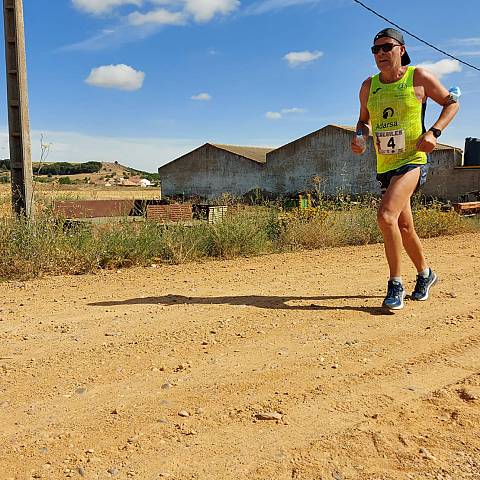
pixel 414 36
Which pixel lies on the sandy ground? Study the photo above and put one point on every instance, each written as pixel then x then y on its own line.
pixel 97 371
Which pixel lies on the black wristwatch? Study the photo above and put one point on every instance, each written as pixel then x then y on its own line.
pixel 436 132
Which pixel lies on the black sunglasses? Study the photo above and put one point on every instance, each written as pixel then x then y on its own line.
pixel 386 47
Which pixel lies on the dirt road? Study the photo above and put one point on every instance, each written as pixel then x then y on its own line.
pixel 162 372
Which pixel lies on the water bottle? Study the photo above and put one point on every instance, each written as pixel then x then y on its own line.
pixel 455 93
pixel 360 140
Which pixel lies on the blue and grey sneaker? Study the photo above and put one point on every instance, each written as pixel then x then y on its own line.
pixel 422 287
pixel 395 295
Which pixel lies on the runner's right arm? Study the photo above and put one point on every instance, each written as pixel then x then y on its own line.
pixel 363 123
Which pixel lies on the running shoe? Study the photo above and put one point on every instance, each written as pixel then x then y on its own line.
pixel 395 295
pixel 422 287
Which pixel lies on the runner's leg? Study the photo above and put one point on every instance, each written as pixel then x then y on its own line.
pixel 410 239
pixel 393 202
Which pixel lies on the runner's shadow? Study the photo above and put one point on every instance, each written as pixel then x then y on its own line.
pixel 259 301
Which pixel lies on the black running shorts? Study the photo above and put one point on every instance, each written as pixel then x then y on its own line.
pixel 385 178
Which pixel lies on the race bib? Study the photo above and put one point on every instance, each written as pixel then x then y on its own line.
pixel 390 143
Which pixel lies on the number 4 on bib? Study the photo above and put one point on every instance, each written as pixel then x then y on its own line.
pixel 391 143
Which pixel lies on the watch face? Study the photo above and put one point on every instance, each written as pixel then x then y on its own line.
pixel 436 132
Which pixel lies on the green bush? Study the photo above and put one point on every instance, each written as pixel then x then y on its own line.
pixel 65 168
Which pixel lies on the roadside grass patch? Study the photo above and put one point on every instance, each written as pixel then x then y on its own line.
pixel 47 246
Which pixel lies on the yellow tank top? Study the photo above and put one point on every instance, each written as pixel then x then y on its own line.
pixel 396 116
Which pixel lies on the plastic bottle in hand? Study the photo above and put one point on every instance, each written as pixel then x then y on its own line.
pixel 455 93
pixel 360 140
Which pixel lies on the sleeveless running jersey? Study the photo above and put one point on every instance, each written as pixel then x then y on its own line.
pixel 397 118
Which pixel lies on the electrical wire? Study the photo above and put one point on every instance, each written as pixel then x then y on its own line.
pixel 414 36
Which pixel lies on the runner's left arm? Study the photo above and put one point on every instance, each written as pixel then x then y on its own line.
pixel 439 94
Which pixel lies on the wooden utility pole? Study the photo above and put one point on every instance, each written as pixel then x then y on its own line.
pixel 18 118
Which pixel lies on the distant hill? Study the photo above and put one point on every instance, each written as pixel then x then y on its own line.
pixel 96 173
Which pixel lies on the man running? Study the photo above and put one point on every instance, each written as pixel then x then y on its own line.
pixel 392 105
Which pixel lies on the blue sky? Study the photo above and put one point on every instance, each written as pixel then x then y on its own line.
pixel 144 81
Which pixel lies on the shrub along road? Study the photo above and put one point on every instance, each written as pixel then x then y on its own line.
pixel 275 367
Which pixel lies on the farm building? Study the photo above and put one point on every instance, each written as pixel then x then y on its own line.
pixel 321 159
pixel 212 169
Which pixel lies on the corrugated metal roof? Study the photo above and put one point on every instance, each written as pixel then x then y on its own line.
pixel 257 154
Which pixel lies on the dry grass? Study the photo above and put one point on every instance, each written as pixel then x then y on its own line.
pixel 46 194
pixel 47 246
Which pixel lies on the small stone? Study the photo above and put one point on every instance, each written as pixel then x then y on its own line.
pixel 81 390
pixel 81 471
pixel 166 386
pixel 112 471
pixel 183 413
pixel 467 395
pixel 111 334
pixel 268 416
pixel 335 365
pixel 337 475
pixel 90 450
pixel 426 454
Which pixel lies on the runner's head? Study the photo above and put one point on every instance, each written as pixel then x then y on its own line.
pixel 389 49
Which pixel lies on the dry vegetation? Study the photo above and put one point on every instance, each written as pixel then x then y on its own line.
pixel 46 194
pixel 48 246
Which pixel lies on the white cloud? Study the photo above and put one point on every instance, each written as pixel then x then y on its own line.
pixel 264 6
pixel 293 110
pixel 200 10
pixel 156 17
pixel 205 10
pixel 103 6
pixel 296 59
pixel 284 111
pixel 119 77
pixel 204 97
pixel 467 53
pixel 466 42
pixel 273 115
pixel 155 14
pixel 442 67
